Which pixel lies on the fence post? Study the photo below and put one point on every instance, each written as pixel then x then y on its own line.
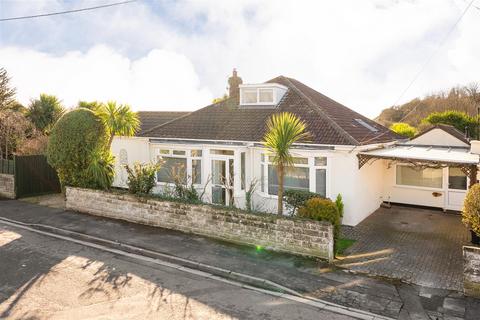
pixel 15 176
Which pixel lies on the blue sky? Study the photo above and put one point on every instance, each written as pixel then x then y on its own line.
pixel 177 55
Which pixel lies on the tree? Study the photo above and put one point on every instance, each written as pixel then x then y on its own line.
pixel 119 120
pixel 403 129
pixel 77 150
pixel 283 130
pixel 44 112
pixel 7 93
pixel 14 130
pixel 460 120
pixel 91 105
pixel 217 100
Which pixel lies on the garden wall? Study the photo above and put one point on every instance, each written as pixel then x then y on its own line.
pixel 305 237
pixel 471 271
pixel 7 185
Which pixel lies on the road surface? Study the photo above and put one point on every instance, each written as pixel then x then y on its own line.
pixel 47 278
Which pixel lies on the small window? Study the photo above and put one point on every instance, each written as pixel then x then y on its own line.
pixel 179 152
pixel 197 171
pixel 249 95
pixel 262 177
pixel 222 152
pixel 321 182
pixel 320 161
pixel 242 170
pixel 411 176
pixel 196 153
pixel 163 151
pixel 265 95
pixel 366 125
pixel 457 179
pixel 263 157
pixel 300 160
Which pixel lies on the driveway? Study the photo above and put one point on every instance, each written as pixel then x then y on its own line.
pixel 420 246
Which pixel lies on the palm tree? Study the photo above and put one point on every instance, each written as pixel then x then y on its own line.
pixel 44 112
pixel 284 129
pixel 119 120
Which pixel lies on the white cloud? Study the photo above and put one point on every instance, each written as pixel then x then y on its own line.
pixel 360 53
pixel 161 80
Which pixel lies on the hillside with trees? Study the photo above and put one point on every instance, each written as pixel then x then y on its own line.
pixel 464 99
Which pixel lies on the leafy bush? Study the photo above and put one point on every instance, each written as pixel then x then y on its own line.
pixel 141 178
pixel 471 209
pixel 295 199
pixel 321 209
pixel 403 129
pixel 339 204
pixel 458 119
pixel 101 169
pixel 78 139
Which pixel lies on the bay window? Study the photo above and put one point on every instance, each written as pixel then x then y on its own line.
pixel 182 166
pixel 296 177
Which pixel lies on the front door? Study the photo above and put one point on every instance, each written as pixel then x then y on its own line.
pixel 222 181
pixel 457 188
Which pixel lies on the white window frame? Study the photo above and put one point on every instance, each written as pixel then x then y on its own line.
pixel 268 103
pixel 188 156
pixel 312 173
pixel 416 187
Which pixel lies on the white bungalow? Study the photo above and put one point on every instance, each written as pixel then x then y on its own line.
pixel 219 149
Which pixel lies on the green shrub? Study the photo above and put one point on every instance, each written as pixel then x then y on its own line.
pixel 295 199
pixel 78 139
pixel 321 209
pixel 458 119
pixel 141 178
pixel 339 204
pixel 403 129
pixel 471 209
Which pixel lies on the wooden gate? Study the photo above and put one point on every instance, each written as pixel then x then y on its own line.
pixel 34 176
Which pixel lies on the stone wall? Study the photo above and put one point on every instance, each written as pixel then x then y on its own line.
pixel 305 237
pixel 7 185
pixel 471 271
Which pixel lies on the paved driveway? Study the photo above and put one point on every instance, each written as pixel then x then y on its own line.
pixel 415 245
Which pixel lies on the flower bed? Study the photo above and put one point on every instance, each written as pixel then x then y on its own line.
pixel 294 235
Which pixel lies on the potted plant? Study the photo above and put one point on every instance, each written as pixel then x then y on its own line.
pixel 471 212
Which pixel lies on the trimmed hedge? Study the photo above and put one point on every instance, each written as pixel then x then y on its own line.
pixel 74 139
pixel 321 209
pixel 471 209
pixel 295 199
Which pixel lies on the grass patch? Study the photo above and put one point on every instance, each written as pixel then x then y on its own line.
pixel 343 244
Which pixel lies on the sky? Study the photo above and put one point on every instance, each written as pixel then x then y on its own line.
pixel 178 55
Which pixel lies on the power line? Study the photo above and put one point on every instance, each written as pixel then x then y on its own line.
pixel 444 39
pixel 68 11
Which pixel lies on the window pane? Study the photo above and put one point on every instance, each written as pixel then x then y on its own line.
pixel 262 177
pixel 222 152
pixel 457 179
pixel 249 95
pixel 172 169
pixel 266 95
pixel 163 151
pixel 197 171
pixel 320 161
pixel 263 157
pixel 196 153
pixel 295 178
pixel 321 182
pixel 300 160
pixel 179 152
pixel 242 170
pixel 411 176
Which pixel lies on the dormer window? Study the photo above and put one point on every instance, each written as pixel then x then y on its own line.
pixel 265 94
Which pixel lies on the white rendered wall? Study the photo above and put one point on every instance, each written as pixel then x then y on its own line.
pixel 136 150
pixel 438 137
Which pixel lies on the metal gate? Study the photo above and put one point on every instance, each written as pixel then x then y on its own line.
pixel 34 176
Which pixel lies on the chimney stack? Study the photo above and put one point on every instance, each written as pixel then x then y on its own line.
pixel 233 82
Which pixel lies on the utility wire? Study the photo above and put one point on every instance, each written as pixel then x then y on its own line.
pixel 67 11
pixel 442 42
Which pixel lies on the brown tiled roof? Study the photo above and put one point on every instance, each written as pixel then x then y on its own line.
pixel 150 119
pixel 327 121
pixel 448 129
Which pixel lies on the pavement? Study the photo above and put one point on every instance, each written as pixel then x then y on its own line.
pixel 309 276
pixel 47 278
pixel 414 245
